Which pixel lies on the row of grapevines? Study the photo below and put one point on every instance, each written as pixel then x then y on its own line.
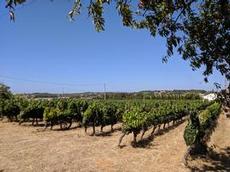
pixel 100 113
pixel 142 117
pixel 200 127
pixel 64 112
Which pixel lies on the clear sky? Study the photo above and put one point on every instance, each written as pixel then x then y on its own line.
pixel 44 52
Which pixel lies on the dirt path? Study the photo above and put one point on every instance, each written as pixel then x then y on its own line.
pixel 219 158
pixel 25 148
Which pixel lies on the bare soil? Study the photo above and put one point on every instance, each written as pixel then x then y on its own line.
pixel 26 148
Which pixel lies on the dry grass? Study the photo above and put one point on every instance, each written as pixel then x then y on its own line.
pixel 26 148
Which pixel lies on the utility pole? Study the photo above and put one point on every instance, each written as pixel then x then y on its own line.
pixel 104 91
pixel 62 92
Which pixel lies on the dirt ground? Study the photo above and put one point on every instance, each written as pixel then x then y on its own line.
pixel 26 148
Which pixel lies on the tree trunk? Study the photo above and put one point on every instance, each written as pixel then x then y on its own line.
pixel 159 127
pixel 154 128
pixel 51 125
pixel 168 124
pixel 199 148
pixel 102 128
pixel 20 122
pixel 121 138
pixel 33 122
pixel 134 137
pixel 85 128
pixel 93 128
pixel 186 155
pixel 143 133
pixel 46 125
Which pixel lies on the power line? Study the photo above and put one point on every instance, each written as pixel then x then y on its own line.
pixel 49 83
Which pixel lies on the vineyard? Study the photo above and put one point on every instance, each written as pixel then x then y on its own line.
pixel 135 117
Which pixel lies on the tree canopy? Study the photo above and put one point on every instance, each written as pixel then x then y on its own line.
pixel 199 30
pixel 5 92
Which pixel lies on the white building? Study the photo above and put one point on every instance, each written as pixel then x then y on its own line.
pixel 210 97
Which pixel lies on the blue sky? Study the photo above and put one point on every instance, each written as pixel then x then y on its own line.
pixel 44 52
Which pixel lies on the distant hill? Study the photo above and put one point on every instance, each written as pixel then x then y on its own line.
pixel 145 94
